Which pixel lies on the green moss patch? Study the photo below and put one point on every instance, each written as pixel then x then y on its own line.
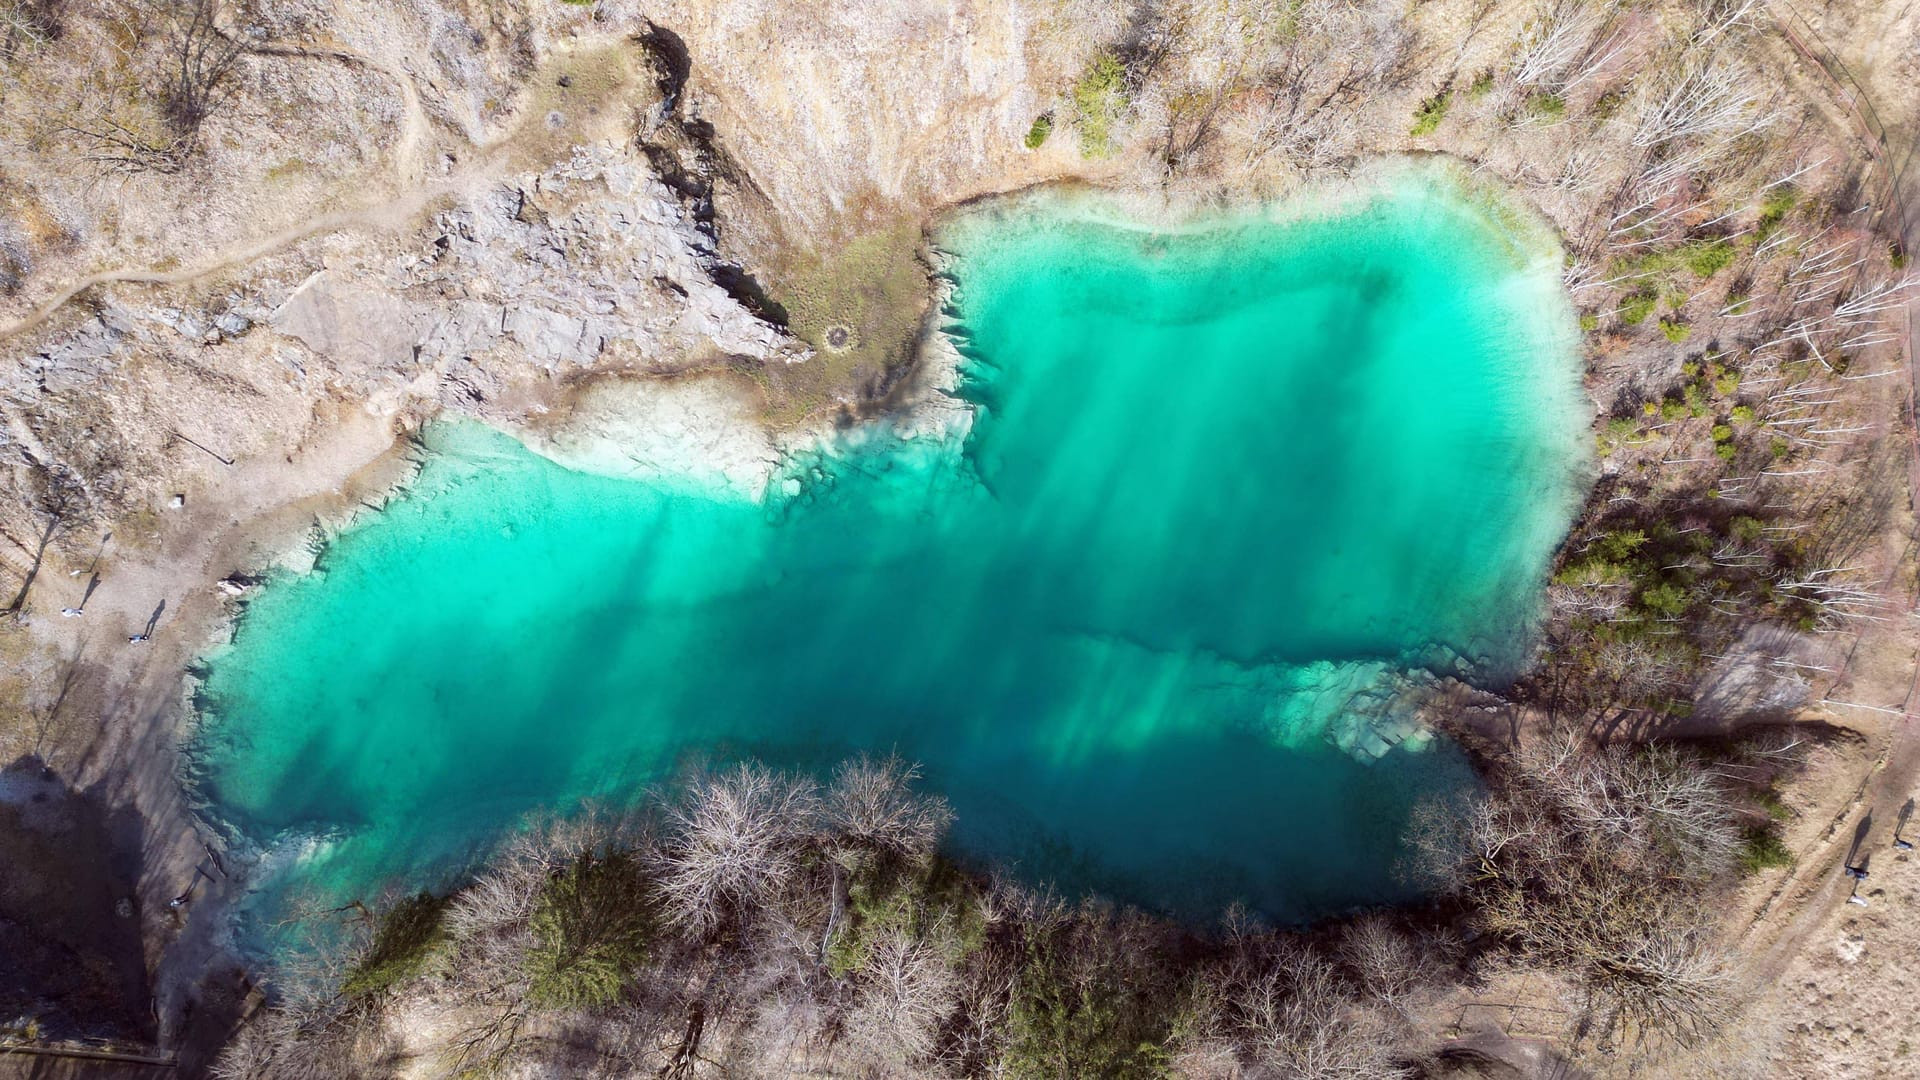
pixel 859 305
pixel 1098 99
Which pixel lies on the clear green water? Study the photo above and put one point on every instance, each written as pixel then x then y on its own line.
pixel 1219 480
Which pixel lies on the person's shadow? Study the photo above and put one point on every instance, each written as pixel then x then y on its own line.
pixel 1859 837
pixel 153 620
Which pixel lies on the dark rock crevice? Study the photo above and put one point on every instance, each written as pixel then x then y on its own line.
pixel 686 153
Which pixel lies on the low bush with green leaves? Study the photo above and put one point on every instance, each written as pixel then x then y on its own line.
pixel 1426 119
pixel 1546 107
pixel 1037 134
pixel 1090 1000
pixel 1098 100
pixel 1763 849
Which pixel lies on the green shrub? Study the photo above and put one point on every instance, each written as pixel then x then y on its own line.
pixel 1619 430
pixel 592 924
pixel 1037 134
pixel 930 903
pixel 1727 385
pixel 1635 309
pixel 1776 810
pixel 871 910
pixel 1742 414
pixel 1745 529
pixel 1696 400
pixel 1725 451
pixel 1620 545
pixel 1589 323
pixel 1763 850
pixel 1097 100
pixel 1481 86
pixel 1431 111
pixel 1593 570
pixel 1675 330
pixel 1708 257
pixel 1722 433
pixel 1546 106
pixel 1666 600
pixel 1776 204
pixel 1075 1013
pixel 403 945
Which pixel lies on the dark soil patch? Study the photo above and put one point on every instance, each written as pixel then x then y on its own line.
pixel 71 963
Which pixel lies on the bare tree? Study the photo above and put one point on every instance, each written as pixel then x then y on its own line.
pixel 27 22
pixel 1563 45
pixel 200 73
pixel 733 840
pixel 59 495
pixel 1710 98
pixel 1594 861
pixel 1283 80
pixel 1276 1008
pixel 1389 965
pixel 907 990
pixel 195 79
pixel 871 804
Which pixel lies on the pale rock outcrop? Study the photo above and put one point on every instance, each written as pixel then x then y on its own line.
pixel 700 431
pixel 340 319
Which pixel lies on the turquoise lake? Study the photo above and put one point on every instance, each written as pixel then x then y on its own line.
pixel 1228 488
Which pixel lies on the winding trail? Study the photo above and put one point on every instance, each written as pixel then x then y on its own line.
pixel 384 215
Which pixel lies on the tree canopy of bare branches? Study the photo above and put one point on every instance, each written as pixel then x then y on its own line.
pixel 1595 861
pixel 733 840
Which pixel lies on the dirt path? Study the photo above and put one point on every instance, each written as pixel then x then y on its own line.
pixel 391 214
pixel 1815 888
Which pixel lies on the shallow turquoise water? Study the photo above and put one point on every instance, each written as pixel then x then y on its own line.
pixel 1219 481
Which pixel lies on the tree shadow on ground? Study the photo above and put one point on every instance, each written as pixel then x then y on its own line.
pixel 69 910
